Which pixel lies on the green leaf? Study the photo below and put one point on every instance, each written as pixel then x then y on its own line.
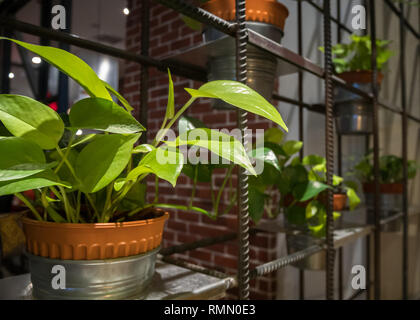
pixel 104 115
pixel 165 162
pixel 32 120
pixel 337 180
pixel 40 180
pixel 103 160
pixel 15 151
pixel 308 190
pixel 184 208
pixel 256 204
pixel 241 96
pixel 120 98
pixel 267 156
pixel 317 163
pixel 204 171
pixel 135 198
pixel 186 123
pixel 274 135
pixel 170 108
pixel 71 65
pixel 143 148
pixel 354 199
pixel 21 171
pixel 296 215
pixel 64 172
pixel 291 147
pixel 217 142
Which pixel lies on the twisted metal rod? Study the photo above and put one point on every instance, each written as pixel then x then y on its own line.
pixel 271 266
pixel 329 142
pixel 243 199
pixel 200 15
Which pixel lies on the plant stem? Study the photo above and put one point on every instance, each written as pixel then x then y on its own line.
pixel 70 167
pixel 219 195
pixel 28 203
pixel 156 190
pixel 66 154
pixel 174 119
pixel 194 186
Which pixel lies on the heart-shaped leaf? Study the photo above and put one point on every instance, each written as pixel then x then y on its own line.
pixel 241 96
pixel 71 65
pixel 104 115
pixel 220 143
pixel 308 190
pixel 103 160
pixel 40 180
pixel 166 163
pixel 32 120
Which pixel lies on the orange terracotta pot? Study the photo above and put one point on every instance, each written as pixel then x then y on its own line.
pixel 340 200
pixel 267 11
pixel 93 241
pixel 386 188
pixel 360 76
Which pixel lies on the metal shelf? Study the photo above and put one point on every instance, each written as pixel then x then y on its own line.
pixel 169 282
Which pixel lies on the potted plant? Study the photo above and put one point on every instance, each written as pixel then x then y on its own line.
pixel 266 17
pixel 352 62
pixel 391 185
pixel 302 188
pixel 90 215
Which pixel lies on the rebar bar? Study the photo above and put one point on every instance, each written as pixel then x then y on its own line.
pixel 404 156
pixel 200 15
pixel 243 199
pixel 329 143
pixel 377 220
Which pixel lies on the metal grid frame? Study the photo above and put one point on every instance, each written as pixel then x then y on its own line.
pixel 243 37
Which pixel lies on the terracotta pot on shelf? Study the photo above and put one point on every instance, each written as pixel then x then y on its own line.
pixel 266 11
pixel 390 203
pixel 360 76
pixel 267 17
pixel 353 114
pixel 296 243
pixel 101 260
pixel 339 204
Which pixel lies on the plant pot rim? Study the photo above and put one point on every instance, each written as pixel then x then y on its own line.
pixel 360 76
pixel 386 188
pixel 93 241
pixel 99 225
pixel 266 11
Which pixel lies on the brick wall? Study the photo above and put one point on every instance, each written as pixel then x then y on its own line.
pixel 167 34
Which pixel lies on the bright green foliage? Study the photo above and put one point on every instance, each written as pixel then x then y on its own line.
pixel 32 120
pixel 357 55
pixel 100 177
pixel 390 169
pixel 301 185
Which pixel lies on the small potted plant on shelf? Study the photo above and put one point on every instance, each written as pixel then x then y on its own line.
pixel 266 17
pixel 352 62
pixel 391 185
pixel 302 188
pixel 90 214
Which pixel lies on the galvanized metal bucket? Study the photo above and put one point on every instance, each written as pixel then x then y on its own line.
pixel 353 115
pixel 108 279
pixel 262 66
pixel 389 205
pixel 315 262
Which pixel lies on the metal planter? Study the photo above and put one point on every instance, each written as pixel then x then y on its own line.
pixel 119 278
pixel 315 262
pixel 262 66
pixel 353 116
